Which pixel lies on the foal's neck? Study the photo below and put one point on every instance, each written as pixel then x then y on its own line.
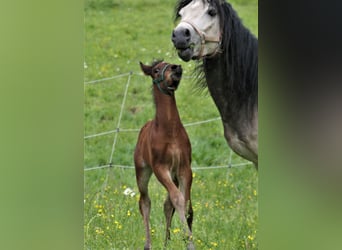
pixel 167 116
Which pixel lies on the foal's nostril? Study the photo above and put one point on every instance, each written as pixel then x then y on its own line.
pixel 174 67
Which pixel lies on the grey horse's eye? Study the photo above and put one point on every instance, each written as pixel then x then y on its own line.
pixel 212 12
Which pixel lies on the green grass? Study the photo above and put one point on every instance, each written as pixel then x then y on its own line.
pixel 119 34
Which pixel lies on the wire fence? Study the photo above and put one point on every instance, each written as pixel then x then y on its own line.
pixel 116 131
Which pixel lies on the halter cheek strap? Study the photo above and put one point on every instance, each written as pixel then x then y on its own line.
pixel 160 80
pixel 205 39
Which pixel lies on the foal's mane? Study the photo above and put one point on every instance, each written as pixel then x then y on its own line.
pixel 239 56
pixel 156 62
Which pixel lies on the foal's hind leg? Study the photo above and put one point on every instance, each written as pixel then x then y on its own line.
pixel 143 175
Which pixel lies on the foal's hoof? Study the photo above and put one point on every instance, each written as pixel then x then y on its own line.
pixel 191 246
pixel 147 247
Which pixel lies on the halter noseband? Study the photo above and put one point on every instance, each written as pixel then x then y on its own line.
pixel 160 80
pixel 205 39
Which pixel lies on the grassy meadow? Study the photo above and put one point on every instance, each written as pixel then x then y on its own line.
pixel 119 34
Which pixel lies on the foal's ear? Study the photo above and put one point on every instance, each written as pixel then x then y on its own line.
pixel 146 69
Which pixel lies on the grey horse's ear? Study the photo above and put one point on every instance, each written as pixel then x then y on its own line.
pixel 146 69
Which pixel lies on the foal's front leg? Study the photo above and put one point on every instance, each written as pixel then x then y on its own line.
pixel 185 181
pixel 185 187
pixel 176 198
pixel 169 210
pixel 143 175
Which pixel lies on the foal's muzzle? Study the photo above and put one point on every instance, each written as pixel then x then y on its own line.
pixel 176 75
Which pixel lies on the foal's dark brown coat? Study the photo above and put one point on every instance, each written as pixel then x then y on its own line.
pixel 163 148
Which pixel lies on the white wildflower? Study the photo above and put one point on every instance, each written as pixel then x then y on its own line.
pixel 129 191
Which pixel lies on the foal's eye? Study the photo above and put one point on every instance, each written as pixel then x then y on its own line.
pixel 156 71
pixel 212 12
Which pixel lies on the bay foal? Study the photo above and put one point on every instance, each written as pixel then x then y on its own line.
pixel 163 148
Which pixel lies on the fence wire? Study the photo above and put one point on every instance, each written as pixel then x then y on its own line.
pixel 117 130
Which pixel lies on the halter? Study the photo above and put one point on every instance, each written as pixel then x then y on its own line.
pixel 205 39
pixel 160 80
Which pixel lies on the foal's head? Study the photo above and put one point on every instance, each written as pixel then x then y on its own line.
pixel 166 76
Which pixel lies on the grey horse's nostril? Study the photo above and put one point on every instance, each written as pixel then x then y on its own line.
pixel 187 32
pixel 181 38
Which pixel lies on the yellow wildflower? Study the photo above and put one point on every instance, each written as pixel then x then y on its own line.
pixel 99 231
pixel 214 244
